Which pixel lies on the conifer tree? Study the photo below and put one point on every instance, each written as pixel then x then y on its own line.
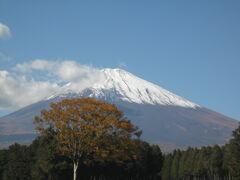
pixel 19 163
pixel 199 168
pixel 234 153
pixel 182 161
pixel 3 161
pixel 175 164
pixel 48 163
pixel 167 164
pixel 216 162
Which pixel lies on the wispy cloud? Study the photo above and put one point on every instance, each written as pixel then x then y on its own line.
pixel 32 81
pixel 122 65
pixel 38 64
pixel 5 32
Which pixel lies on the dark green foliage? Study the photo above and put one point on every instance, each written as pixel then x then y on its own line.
pixel 149 162
pixel 48 163
pixel 216 162
pixel 18 166
pixel 175 164
pixel 207 163
pixel 43 161
pixel 39 161
pixel 233 149
pixel 201 164
pixel 167 165
pixel 3 161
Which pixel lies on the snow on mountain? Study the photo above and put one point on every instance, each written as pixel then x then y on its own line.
pixel 165 118
pixel 118 84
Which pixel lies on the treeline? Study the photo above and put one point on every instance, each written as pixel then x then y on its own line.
pixel 207 163
pixel 42 161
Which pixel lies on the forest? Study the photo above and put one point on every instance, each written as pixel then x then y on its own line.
pixel 206 163
pixel 42 161
pixel 86 139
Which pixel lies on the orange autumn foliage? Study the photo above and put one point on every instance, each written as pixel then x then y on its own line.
pixel 88 127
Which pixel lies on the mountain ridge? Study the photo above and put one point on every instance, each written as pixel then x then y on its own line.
pixel 165 118
pixel 125 86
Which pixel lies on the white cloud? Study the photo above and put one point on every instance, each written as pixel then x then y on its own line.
pixel 70 71
pixel 21 86
pixel 19 91
pixel 38 64
pixel 5 32
pixel 65 71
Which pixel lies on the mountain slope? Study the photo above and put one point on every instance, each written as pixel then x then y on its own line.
pixel 166 119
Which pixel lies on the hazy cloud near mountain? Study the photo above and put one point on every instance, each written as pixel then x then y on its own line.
pixel 32 81
pixel 122 65
pixel 18 91
pixel 5 32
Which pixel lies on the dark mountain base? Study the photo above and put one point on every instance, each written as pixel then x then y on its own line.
pixel 169 126
pixel 6 140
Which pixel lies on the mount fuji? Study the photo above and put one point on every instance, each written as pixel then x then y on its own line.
pixel 165 118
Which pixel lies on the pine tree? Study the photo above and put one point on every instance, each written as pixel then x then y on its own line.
pixel 199 168
pixel 3 161
pixel 234 154
pixel 48 162
pixel 216 162
pixel 19 163
pixel 175 164
pixel 167 164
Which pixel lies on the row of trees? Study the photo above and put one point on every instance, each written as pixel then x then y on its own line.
pixel 207 163
pixel 42 160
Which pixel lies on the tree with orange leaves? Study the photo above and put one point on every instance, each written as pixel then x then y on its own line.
pixel 88 129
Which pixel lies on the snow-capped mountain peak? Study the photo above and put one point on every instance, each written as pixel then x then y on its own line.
pixel 120 85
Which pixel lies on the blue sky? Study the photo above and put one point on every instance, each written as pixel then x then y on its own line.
pixel 191 48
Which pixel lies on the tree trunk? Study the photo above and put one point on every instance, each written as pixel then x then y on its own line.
pixel 75 167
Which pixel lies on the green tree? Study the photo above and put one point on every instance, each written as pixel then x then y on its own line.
pixel 234 154
pixel 48 163
pixel 226 173
pixel 199 168
pixel 87 128
pixel 216 162
pixel 3 161
pixel 175 164
pixel 188 166
pixel 150 160
pixel 166 169
pixel 18 166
